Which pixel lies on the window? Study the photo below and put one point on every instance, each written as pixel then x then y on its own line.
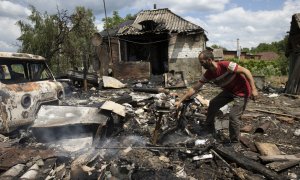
pixel 17 72
pixel 23 71
pixel 39 71
pixel 4 73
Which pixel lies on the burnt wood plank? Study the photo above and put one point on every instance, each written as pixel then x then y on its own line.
pixel 247 163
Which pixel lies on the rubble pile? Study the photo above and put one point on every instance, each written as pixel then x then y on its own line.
pixel 142 136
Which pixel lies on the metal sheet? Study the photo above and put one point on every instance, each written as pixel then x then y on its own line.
pixel 55 116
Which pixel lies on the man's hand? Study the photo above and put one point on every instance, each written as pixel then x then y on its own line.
pixel 254 94
pixel 177 104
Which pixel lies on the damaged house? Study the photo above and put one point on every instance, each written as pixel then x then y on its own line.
pixel 156 42
pixel 293 54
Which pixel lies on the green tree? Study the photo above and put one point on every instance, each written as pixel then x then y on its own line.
pixel 61 38
pixel 77 46
pixel 116 19
pixel 277 46
pixel 44 34
pixel 214 46
pixel 247 50
pixel 262 47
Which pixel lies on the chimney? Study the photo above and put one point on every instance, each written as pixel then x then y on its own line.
pixel 154 6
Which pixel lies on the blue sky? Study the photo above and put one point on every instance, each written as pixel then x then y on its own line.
pixel 252 21
pixel 257 5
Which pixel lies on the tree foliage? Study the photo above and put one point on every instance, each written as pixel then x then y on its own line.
pixel 277 46
pixel 218 47
pixel 276 67
pixel 116 19
pixel 43 34
pixel 247 50
pixel 61 38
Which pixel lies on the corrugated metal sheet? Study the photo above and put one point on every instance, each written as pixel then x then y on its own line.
pixel 167 22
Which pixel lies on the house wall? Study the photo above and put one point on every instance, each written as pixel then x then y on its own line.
pixel 232 55
pixel 105 59
pixel 115 49
pixel 229 56
pixel 183 54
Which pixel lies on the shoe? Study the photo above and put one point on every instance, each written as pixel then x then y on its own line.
pixel 206 132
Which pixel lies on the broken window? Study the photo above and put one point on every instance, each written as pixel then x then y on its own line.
pixel 39 71
pixel 148 25
pixel 17 71
pixel 22 71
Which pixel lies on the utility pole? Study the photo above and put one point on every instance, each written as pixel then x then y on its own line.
pixel 108 36
pixel 238 51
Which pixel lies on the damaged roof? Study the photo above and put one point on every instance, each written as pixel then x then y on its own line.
pixel 113 31
pixel 165 20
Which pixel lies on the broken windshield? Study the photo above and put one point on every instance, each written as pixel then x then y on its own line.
pixel 23 71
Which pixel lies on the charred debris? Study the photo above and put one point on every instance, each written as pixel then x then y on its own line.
pixel 131 131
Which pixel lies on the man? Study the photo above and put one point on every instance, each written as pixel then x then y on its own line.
pixel 238 85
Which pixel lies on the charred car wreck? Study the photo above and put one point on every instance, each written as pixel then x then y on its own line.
pixel 26 83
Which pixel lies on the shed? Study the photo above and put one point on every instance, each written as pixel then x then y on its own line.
pixel 156 42
pixel 293 54
pixel 218 54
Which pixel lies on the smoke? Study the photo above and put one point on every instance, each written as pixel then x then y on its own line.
pixel 122 141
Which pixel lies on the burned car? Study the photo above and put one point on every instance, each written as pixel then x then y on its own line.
pixel 26 83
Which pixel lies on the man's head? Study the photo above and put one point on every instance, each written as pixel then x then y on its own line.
pixel 206 58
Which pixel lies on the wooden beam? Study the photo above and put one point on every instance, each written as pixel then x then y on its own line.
pixel 295 157
pixel 280 114
pixel 279 166
pixel 247 163
pixel 248 143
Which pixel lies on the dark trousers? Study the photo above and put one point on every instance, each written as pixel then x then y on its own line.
pixel 236 111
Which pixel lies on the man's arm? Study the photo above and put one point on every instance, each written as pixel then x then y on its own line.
pixel 250 78
pixel 189 93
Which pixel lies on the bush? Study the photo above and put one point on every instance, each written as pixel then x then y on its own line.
pixel 277 67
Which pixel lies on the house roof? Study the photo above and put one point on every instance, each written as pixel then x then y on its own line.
pixel 268 55
pixel 165 19
pixel 113 31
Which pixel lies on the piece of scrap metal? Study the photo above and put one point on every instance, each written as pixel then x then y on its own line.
pixel 55 116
